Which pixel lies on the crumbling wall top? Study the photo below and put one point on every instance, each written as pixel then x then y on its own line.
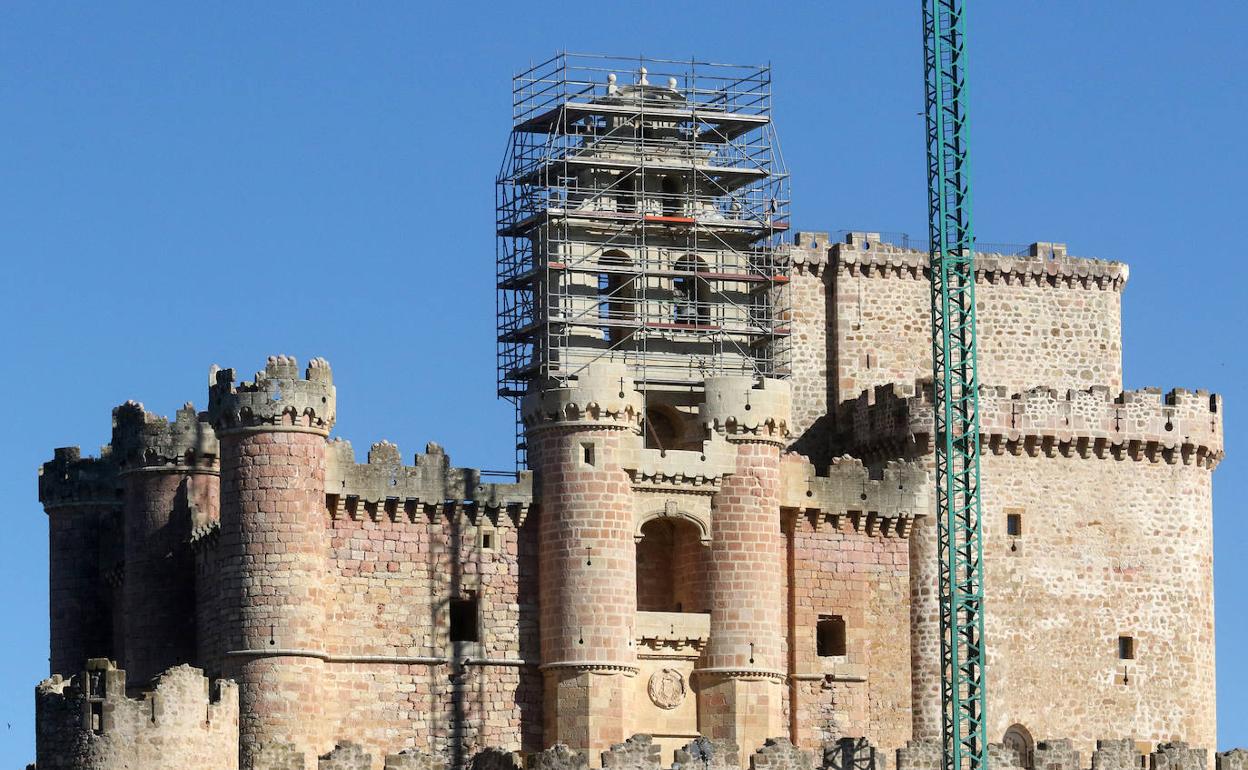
pixel 70 479
pixel 276 399
pixel 430 480
pixel 143 440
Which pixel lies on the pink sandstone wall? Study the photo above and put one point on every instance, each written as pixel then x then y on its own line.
pixel 839 569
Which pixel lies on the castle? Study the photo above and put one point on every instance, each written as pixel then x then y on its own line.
pixel 722 543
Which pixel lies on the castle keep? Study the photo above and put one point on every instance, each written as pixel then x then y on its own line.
pixel 720 548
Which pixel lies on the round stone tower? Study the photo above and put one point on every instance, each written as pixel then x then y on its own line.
pixel 741 684
pixel 79 495
pixel 579 438
pixel 169 476
pixel 273 543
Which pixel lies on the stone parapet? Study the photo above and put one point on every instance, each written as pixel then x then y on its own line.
pixel 430 481
pixel 884 502
pixel 603 394
pixel 88 723
pixel 1177 426
pixel 864 253
pixel 142 440
pixel 688 469
pixel 70 479
pixel 748 408
pixel 277 399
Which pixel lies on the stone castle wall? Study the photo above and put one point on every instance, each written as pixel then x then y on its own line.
pixel 88 723
pixel 1045 319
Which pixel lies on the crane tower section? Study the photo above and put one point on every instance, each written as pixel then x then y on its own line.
pixel 956 396
pixel 639 206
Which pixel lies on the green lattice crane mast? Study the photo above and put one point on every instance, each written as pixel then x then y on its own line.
pixel 956 397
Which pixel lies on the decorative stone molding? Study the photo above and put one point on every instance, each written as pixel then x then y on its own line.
pixel 603 395
pixel 748 409
pixel 146 441
pixel 277 399
pixel 866 254
pixel 672 634
pixel 682 468
pixel 1177 426
pixel 385 485
pixel 849 492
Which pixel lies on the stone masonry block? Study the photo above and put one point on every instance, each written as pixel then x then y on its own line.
pixel 781 754
pixel 1177 756
pixel 919 755
pixel 639 752
pixel 346 756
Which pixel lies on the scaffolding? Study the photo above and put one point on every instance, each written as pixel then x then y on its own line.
pixel 637 223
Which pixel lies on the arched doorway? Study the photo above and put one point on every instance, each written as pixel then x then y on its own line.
pixel 617 306
pixel 691 293
pixel 1019 738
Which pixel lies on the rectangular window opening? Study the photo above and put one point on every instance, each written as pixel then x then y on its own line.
pixel 587 454
pixel 1126 648
pixel 830 636
pixel 1014 524
pixel 465 620
pixel 487 541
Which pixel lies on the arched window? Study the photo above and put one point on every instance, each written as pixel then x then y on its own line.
pixel 691 293
pixel 617 307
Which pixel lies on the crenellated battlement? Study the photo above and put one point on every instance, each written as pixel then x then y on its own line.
pixel 604 394
pixel 88 721
pixel 866 254
pixel 71 479
pixel 747 408
pixel 1176 426
pixel 146 441
pixel 276 399
pixel 384 482
pixel 884 501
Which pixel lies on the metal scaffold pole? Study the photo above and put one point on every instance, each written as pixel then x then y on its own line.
pixel 956 386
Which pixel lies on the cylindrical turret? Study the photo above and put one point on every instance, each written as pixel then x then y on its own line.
pixel 740 686
pixel 76 493
pixel 579 438
pixel 169 473
pixel 273 544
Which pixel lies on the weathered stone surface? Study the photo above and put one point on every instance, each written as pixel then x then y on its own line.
pixel 346 756
pixel 780 754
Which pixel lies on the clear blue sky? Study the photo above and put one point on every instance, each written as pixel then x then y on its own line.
pixel 187 185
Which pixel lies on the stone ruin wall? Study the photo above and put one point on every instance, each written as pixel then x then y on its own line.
pixel 862 317
pixel 180 723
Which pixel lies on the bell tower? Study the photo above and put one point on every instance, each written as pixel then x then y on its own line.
pixel 639 207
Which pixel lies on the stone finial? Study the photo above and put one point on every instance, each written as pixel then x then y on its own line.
pixel 748 409
pixel 277 399
pixel 71 479
pixel 641 77
pixel 142 439
pixel 671 84
pixel 602 395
